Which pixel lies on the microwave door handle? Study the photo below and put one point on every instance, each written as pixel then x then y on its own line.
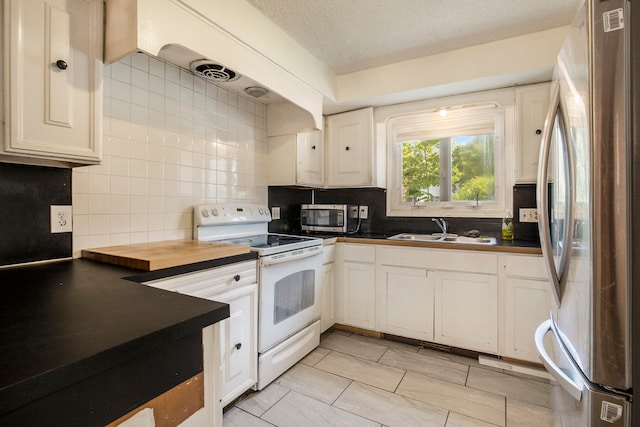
pixel 273 259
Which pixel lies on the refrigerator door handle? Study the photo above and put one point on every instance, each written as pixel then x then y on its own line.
pixel 556 107
pixel 565 382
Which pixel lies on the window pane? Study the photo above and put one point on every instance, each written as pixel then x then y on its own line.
pixel 459 168
pixel 421 171
pixel 473 168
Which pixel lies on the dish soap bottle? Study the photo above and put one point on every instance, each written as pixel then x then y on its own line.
pixel 507 226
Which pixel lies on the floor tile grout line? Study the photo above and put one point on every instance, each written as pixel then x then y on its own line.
pixel 251 415
pixel 353 413
pixel 400 382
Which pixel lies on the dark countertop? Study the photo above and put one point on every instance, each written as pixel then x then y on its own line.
pixel 514 246
pixel 63 322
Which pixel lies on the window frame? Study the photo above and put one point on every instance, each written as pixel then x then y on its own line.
pixel 504 99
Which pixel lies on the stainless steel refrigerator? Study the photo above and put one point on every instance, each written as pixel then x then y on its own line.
pixel 588 207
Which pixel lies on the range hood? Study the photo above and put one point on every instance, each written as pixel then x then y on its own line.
pixel 177 32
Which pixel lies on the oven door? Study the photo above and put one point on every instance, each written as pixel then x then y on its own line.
pixel 289 294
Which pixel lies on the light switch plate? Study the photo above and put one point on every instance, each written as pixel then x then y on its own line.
pixel 275 212
pixel 528 215
pixel 61 219
pixel 363 212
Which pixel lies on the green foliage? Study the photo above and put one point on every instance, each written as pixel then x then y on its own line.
pixel 472 169
pixel 420 168
pixel 476 188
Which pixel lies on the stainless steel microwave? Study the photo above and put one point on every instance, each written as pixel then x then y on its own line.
pixel 331 218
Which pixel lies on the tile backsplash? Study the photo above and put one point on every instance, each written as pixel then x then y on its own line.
pixel 170 140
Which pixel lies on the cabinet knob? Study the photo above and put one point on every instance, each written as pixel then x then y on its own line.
pixel 538 131
pixel 346 148
pixel 238 346
pixel 61 64
pixel 236 277
pixel 313 147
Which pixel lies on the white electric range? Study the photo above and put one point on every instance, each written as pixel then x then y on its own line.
pixel 289 281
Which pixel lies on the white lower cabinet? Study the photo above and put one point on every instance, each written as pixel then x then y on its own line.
pixel 482 301
pixel 357 285
pixel 528 299
pixel 327 318
pixel 405 302
pixel 359 294
pixel 238 342
pixel 235 350
pixel 466 310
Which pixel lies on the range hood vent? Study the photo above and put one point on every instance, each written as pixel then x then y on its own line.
pixel 213 71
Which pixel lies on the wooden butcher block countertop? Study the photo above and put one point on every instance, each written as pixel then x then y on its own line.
pixel 157 255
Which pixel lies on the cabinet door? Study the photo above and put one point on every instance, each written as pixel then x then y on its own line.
pixel 527 305
pixel 54 80
pixel 350 149
pixel 239 342
pixel 310 159
pixel 466 310
pixel 405 302
pixel 532 103
pixel 327 318
pixel 359 294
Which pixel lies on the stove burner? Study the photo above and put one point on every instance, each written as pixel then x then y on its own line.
pixel 263 241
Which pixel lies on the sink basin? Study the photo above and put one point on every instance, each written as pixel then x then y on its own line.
pixel 417 237
pixel 444 238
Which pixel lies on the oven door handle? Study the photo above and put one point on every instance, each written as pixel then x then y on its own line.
pixel 291 256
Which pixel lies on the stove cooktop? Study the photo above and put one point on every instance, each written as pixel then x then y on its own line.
pixel 273 243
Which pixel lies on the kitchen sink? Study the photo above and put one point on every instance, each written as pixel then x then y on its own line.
pixel 444 238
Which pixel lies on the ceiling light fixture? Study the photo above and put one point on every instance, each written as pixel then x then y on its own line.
pixel 256 91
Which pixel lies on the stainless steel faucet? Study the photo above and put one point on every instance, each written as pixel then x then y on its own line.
pixel 441 223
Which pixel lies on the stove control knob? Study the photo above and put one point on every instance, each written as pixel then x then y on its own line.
pixel 205 213
pixel 214 212
pixel 261 211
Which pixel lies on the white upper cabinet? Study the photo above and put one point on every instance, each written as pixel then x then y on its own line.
pixel 351 150
pixel 532 103
pixel 296 159
pixel 52 80
pixel 310 158
pixel 295 150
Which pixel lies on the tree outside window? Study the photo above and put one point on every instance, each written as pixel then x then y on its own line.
pixel 459 168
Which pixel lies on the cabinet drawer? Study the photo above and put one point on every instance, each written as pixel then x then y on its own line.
pixel 207 283
pixel 440 259
pixel 526 266
pixel 360 253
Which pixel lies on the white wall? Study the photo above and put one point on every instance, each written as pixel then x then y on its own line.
pixel 170 140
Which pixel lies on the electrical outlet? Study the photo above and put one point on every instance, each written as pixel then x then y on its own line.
pixel 275 212
pixel 61 219
pixel 528 215
pixel 363 212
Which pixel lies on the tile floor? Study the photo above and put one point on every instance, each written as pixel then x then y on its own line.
pixel 352 380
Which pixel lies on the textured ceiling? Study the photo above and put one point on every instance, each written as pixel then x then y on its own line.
pixel 353 35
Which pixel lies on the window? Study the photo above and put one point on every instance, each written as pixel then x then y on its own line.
pixel 447 162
